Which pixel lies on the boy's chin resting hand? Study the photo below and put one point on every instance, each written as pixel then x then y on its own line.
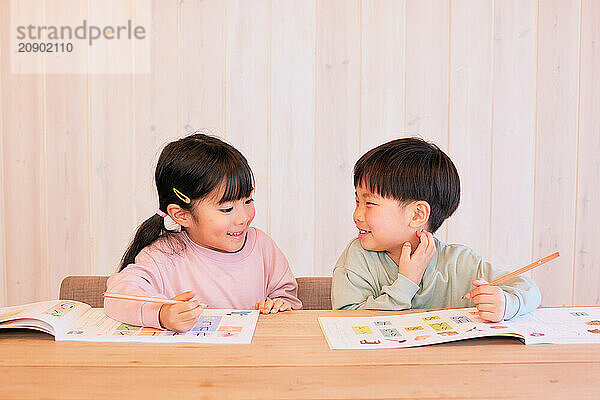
pixel 269 306
pixel 413 264
pixel 489 300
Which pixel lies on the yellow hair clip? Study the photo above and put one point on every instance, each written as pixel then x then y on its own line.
pixel 182 196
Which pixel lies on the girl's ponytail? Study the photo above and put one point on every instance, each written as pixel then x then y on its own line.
pixel 150 230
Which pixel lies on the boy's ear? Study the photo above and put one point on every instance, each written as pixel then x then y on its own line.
pixel 420 214
pixel 179 215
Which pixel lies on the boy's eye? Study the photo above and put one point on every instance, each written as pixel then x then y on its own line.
pixel 249 201
pixel 227 210
pixel 370 203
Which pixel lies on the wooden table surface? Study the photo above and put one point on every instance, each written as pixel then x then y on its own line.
pixel 289 359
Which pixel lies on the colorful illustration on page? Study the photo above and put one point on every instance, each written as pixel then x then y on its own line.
pixel 60 309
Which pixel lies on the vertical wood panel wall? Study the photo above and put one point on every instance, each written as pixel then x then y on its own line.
pixel 510 89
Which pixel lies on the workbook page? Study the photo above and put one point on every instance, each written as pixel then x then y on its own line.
pixel 214 326
pixel 407 330
pixel 52 316
pixel 568 325
pixel 547 325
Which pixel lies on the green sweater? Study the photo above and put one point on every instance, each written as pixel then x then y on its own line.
pixel 364 279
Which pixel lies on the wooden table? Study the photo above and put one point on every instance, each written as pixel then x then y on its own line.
pixel 289 359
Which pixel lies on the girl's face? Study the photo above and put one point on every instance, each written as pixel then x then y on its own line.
pixel 221 226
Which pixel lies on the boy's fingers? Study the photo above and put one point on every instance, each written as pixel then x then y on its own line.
pixel 474 292
pixel 405 254
pixel 423 243
pixel 487 307
pixel 488 316
pixel 485 299
pixel 488 290
pixel 431 246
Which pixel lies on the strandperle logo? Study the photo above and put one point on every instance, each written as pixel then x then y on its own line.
pixel 84 31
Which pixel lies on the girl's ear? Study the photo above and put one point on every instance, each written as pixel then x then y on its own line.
pixel 420 214
pixel 179 215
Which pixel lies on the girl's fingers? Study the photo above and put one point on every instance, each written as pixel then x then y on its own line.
pixel 261 305
pixel 268 306
pixel 185 295
pixel 194 313
pixel 286 306
pixel 277 305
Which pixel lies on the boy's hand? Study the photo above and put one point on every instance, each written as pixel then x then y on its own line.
pixel 489 300
pixel 180 317
pixel 413 266
pixel 272 306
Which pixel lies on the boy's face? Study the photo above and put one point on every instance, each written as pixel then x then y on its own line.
pixel 383 223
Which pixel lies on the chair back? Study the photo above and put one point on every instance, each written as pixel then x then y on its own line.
pixel 314 292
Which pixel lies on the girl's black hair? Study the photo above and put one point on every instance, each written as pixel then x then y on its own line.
pixel 412 169
pixel 195 166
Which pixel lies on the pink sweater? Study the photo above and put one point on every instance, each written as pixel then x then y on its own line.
pixel 221 280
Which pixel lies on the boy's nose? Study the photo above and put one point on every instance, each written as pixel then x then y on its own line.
pixel 357 216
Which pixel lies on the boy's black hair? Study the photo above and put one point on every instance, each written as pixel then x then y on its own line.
pixel 412 169
pixel 194 166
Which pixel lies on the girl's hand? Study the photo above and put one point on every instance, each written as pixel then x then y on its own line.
pixel 272 306
pixel 413 266
pixel 489 300
pixel 180 317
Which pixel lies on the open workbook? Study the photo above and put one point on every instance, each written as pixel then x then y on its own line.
pixel 568 325
pixel 75 321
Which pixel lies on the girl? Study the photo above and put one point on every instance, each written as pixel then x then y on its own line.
pixel 212 255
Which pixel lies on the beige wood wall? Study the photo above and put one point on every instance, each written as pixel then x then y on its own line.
pixel 509 88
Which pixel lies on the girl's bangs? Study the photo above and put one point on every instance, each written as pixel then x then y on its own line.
pixel 239 184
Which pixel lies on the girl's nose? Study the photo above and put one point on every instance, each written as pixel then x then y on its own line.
pixel 241 218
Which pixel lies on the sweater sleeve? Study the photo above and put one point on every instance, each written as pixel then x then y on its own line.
pixel 140 279
pixel 354 287
pixel 521 293
pixel 281 283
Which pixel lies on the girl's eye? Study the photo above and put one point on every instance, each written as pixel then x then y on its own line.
pixel 227 210
pixel 371 204
pixel 249 201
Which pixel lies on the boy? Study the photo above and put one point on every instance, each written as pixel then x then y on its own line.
pixel 405 189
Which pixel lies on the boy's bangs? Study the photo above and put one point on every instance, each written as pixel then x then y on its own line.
pixel 377 180
pixel 239 184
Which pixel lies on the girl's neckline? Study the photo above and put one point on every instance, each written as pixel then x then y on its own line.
pixel 222 256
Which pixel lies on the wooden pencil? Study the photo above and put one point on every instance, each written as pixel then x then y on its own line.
pixel 521 270
pixel 143 298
